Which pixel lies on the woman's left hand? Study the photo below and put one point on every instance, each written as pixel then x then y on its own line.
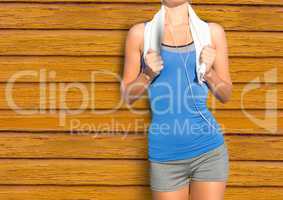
pixel 207 56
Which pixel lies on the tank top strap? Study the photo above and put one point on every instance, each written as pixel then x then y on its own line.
pixel 142 62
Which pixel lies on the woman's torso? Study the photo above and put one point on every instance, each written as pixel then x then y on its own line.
pixel 177 130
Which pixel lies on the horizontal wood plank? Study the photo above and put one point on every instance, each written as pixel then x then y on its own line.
pixel 111 43
pixel 110 69
pixel 113 166
pixel 86 145
pixel 230 121
pixel 121 192
pixel 121 172
pixel 121 16
pixel 107 96
pixel 236 2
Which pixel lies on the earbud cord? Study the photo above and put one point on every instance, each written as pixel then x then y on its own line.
pixel 185 65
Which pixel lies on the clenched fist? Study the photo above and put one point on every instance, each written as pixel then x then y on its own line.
pixel 207 56
pixel 154 61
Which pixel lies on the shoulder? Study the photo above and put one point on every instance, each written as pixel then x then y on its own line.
pixel 136 34
pixel 137 29
pixel 216 29
pixel 217 32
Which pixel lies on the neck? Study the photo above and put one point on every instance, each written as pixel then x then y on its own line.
pixel 176 14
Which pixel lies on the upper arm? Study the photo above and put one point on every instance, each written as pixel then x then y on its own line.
pixel 219 42
pixel 132 57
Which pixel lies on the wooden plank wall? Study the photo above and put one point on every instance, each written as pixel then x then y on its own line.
pixel 48 51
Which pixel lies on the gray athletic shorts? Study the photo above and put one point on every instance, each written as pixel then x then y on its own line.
pixel 171 175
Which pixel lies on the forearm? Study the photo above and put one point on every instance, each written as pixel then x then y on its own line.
pixel 221 89
pixel 136 89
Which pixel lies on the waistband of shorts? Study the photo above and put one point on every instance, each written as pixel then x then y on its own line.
pixel 221 147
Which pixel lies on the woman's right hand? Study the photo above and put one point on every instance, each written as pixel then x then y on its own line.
pixel 154 61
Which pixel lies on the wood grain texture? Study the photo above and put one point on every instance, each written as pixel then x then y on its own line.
pixel 121 192
pixel 230 121
pixel 111 43
pixel 121 16
pixel 107 96
pixel 121 172
pixel 217 2
pixel 50 152
pixel 123 146
pixel 110 69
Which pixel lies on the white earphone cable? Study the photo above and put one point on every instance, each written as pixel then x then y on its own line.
pixel 185 65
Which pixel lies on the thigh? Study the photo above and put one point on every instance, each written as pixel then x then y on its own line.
pixel 169 180
pixel 207 190
pixel 209 175
pixel 181 193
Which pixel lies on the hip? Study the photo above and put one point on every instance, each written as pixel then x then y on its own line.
pixel 209 166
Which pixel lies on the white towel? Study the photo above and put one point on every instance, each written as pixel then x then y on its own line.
pixel 154 30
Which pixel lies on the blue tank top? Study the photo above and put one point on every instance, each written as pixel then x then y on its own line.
pixel 177 131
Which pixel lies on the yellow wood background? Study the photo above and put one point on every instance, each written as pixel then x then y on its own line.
pixel 42 158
